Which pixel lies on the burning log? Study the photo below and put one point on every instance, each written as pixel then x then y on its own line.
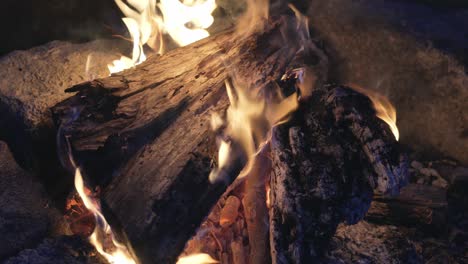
pixel 144 134
pixel 326 161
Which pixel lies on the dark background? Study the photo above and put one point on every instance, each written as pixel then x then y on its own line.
pixel 28 23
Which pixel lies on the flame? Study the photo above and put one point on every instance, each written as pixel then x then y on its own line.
pixel 251 116
pixel 197 259
pixel 386 111
pixel 119 254
pixel 185 22
pixel 249 120
pixel 383 107
pixel 144 25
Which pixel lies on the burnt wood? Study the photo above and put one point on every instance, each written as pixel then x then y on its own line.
pixel 326 162
pixel 144 135
pixel 421 206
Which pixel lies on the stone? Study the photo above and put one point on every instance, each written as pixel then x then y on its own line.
pixel 31 81
pixel 26 214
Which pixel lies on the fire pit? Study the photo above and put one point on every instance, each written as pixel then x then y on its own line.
pixel 225 132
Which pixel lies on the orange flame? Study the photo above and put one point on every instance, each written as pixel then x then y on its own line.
pixel 120 253
pixel 383 107
pixel 249 121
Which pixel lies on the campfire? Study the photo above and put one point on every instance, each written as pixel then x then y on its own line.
pixel 237 146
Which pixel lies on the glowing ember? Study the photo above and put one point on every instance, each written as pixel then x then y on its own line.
pixel 185 22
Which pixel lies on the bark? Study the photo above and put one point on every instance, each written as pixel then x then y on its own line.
pixel 325 169
pixel 144 134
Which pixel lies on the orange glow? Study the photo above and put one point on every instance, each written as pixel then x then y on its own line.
pixel 386 112
pixel 119 254
pixel 197 259
pixel 248 122
pixel 268 201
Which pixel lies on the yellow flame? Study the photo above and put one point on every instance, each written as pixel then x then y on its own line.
pixel 386 112
pixel 197 259
pixel 185 22
pixel 143 25
pixel 383 107
pixel 119 254
pixel 249 120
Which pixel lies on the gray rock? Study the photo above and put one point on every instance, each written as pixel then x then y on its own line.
pixel 33 80
pixel 397 49
pixel 25 213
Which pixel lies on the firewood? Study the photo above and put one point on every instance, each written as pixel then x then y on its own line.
pixel 255 208
pixel 354 111
pixel 229 212
pixel 325 169
pixel 144 134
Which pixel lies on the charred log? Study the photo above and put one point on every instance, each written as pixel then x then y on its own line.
pixel 325 168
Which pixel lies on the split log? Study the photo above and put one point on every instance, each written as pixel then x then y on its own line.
pixel 325 168
pixel 144 134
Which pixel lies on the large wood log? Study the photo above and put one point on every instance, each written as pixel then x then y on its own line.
pixel 144 134
pixel 326 161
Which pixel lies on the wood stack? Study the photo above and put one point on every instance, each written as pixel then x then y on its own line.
pixel 143 135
